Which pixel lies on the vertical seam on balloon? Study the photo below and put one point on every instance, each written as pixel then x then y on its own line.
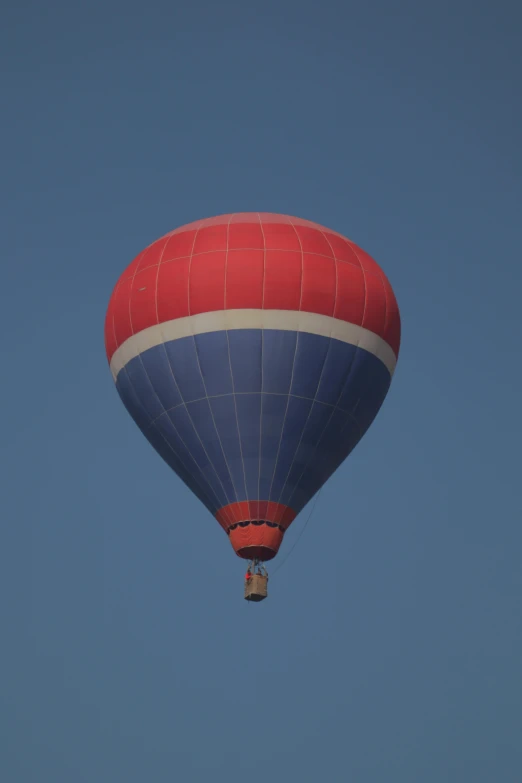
pixel 298 482
pixel 354 251
pixel 213 504
pixel 262 369
pixel 152 423
pixel 293 366
pixel 174 377
pixel 320 376
pixel 190 269
pixel 210 409
pixel 214 422
pixel 302 265
pixel 384 331
pixel 349 371
pixel 131 289
pixel 184 404
pixel 157 279
pixel 381 280
pixel 204 387
pixel 191 421
pixel 113 297
pixel 198 227
pixel 114 332
pixel 335 268
pixel 319 382
pixel 230 364
pixel 314 400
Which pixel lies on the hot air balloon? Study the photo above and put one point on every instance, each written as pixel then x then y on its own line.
pixel 253 351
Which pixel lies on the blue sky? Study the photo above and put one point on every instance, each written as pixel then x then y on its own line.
pixel 390 646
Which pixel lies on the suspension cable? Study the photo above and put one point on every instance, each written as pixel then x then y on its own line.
pixel 285 558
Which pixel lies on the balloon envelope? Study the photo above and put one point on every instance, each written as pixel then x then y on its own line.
pixel 253 351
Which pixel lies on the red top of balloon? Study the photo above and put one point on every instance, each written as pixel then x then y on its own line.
pixel 260 260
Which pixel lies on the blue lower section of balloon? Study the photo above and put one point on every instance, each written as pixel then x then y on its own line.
pixel 254 414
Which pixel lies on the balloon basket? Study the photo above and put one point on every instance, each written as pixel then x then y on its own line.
pixel 256 583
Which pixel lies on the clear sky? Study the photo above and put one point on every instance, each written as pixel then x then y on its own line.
pixel 390 647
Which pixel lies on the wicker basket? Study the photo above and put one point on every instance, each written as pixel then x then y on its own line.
pixel 256 588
